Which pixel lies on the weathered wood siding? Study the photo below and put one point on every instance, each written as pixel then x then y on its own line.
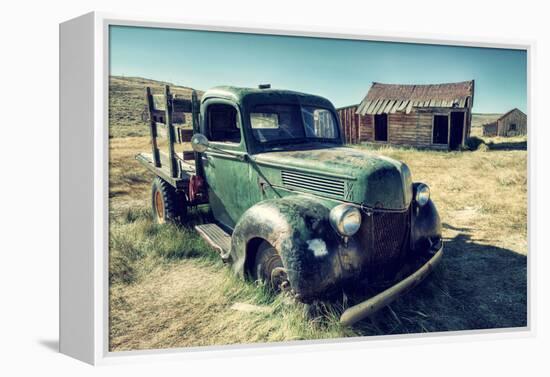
pixel 413 129
pixel 410 129
pixel 351 124
pixel 490 129
pixel 515 117
pixel 404 129
pixel 367 128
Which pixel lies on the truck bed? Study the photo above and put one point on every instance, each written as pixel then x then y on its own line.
pixel 186 169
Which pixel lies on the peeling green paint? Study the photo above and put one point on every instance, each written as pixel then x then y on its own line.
pixel 370 180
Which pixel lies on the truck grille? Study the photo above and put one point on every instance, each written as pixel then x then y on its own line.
pixel 383 236
pixel 322 185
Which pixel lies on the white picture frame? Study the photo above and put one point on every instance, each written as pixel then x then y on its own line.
pixel 84 140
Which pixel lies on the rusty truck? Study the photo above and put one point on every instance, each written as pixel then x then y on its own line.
pixel 293 206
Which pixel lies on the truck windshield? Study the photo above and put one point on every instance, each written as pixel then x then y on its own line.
pixel 281 123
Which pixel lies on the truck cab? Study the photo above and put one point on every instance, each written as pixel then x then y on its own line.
pixel 294 207
pixel 249 130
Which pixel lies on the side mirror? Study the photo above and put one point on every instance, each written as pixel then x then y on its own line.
pixel 199 143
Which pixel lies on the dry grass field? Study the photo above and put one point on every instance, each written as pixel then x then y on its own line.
pixel 169 289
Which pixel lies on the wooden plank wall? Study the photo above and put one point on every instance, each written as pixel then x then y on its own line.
pixel 404 129
pixel 348 122
pixel 410 129
pixel 515 117
pixel 352 124
pixel 413 129
pixel 490 129
pixel 367 128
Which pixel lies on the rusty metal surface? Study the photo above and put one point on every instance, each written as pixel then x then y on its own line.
pixel 372 305
pixel 317 259
pixel 215 237
pixel 298 228
pixel 383 236
pixel 333 187
pixel 367 178
pixel 391 98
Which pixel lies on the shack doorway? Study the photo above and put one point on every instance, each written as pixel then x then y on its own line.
pixel 457 130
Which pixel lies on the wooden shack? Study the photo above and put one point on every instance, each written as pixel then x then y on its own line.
pixel 429 116
pixel 351 124
pixel 513 123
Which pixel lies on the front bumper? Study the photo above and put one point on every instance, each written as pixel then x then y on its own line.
pixel 373 304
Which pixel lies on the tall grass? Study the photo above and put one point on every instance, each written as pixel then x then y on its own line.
pixel 143 253
pixel 137 244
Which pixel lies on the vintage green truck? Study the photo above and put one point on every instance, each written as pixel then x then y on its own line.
pixel 293 206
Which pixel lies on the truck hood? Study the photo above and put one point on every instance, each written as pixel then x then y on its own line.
pixel 343 173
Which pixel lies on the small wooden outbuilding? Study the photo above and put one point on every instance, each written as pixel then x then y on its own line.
pixel 429 116
pixel 513 123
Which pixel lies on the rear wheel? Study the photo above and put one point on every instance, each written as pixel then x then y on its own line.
pixel 168 205
pixel 268 268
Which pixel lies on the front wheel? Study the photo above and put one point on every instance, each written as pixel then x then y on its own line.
pixel 268 268
pixel 168 205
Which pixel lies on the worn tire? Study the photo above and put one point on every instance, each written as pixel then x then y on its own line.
pixel 266 260
pixel 168 205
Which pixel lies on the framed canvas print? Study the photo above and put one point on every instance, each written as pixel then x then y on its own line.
pixel 224 187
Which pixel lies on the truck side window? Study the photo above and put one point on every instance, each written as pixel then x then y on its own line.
pixel 223 125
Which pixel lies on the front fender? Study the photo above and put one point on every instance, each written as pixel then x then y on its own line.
pixel 425 227
pixel 299 229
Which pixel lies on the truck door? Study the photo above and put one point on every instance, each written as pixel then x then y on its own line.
pixel 227 175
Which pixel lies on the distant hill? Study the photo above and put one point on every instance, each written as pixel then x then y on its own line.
pixel 127 103
pixel 479 120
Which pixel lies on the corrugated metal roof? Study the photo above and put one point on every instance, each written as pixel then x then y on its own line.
pixel 391 98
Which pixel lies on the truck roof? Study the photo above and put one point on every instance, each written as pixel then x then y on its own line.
pixel 256 96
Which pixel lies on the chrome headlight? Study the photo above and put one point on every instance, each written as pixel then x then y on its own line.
pixel 345 219
pixel 422 194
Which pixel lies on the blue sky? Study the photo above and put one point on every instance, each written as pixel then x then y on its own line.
pixel 340 70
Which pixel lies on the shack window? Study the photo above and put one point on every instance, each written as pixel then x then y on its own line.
pixel 441 129
pixel 223 125
pixel 513 127
pixel 381 127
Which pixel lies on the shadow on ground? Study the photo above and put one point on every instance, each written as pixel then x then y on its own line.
pixel 476 287
pixel 52 345
pixel 508 146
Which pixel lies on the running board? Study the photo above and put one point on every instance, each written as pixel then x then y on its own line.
pixel 216 237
